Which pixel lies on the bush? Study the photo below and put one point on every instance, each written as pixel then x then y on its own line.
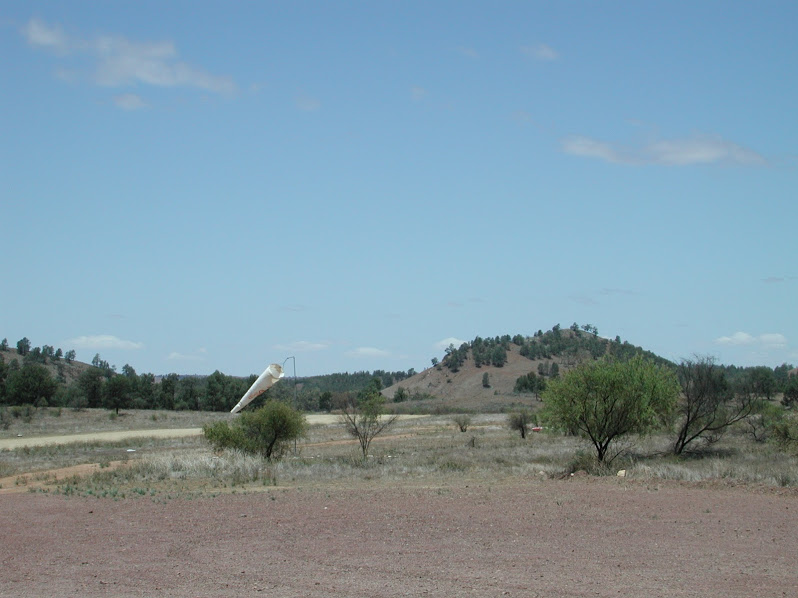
pixel 462 421
pixel 265 431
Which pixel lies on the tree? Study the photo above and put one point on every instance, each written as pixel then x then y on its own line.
pixel 363 417
pixel 790 397
pixel 90 383
pixel 4 345
pixel 520 421
pixel 30 385
pixel 607 399
pixel 400 395
pixel 69 356
pixel 23 346
pixel 325 401
pixel 117 393
pixel 265 431
pixel 708 405
pixel 485 380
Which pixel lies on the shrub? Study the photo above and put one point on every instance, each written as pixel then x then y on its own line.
pixel 462 422
pixel 265 431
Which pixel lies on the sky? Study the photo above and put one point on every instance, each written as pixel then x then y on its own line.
pixel 198 186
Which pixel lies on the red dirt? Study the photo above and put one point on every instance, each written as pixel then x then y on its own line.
pixel 578 537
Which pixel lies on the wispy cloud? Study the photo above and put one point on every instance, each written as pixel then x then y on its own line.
pixel 467 52
pixel 103 341
pixel 368 352
pixel 418 93
pixel 120 62
pixel 778 279
pixel 306 103
pixel 175 356
pixel 541 52
pixel 698 149
pixel 442 344
pixel 129 101
pixel 303 346
pixel 765 341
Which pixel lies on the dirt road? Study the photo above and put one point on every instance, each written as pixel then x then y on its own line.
pixel 12 443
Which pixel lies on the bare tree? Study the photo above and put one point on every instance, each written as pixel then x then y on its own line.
pixel 364 417
pixel 708 404
pixel 520 421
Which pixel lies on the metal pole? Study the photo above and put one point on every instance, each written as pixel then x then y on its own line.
pixel 295 395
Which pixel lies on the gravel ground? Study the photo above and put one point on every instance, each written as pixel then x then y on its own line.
pixel 581 536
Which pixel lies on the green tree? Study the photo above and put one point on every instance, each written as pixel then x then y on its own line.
pixel 30 385
pixel 400 395
pixel 364 417
pixel 69 356
pixel 23 346
pixel 485 380
pixel 790 397
pixel 4 345
pixel 116 393
pixel 607 399
pixel 265 431
pixel 90 383
pixel 168 389
pixel 325 401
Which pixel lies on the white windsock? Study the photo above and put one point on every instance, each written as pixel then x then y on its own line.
pixel 269 376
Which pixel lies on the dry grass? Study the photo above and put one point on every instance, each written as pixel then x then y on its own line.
pixel 427 451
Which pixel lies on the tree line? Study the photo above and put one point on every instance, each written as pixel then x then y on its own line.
pixel 100 385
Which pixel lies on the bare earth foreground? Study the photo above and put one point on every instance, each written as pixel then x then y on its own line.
pixel 576 537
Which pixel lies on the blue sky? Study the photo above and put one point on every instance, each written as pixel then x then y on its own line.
pixel 192 186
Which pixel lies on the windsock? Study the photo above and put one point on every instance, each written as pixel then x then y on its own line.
pixel 270 375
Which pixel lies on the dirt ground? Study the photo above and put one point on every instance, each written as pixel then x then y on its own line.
pixel 576 537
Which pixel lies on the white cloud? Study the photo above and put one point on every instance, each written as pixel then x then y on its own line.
pixel 368 352
pixel 43 35
pixel 736 339
pixel 307 104
pixel 120 62
pixel 445 342
pixel 540 52
pixel 418 93
pixel 103 341
pixel 467 52
pixel 772 340
pixel 698 149
pixel 129 101
pixel 303 346
pixel 175 356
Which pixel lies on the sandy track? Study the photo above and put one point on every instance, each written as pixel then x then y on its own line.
pixel 12 443
pixel 576 538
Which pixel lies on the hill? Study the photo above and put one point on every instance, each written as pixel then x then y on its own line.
pixel 457 382
pixel 64 371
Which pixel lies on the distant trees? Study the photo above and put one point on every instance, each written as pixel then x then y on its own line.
pixel 531 383
pixel 607 399
pixel 30 385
